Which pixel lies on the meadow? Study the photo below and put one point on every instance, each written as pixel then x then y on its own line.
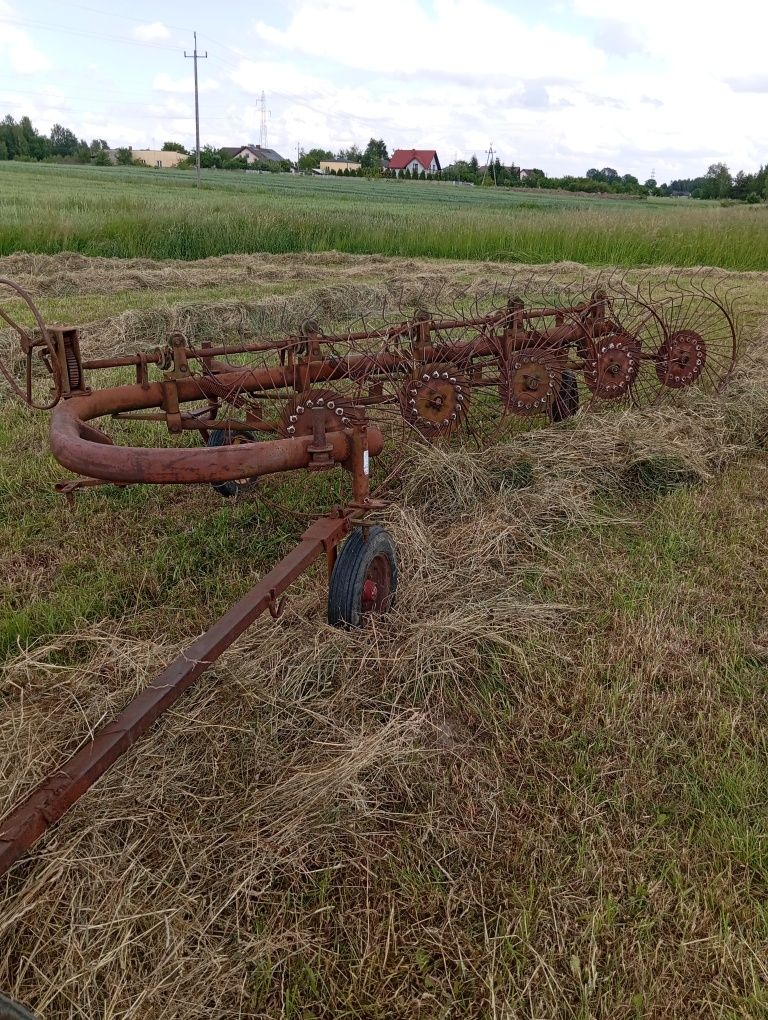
pixel 536 789
pixel 133 212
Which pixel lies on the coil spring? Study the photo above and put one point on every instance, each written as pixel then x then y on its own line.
pixel 73 369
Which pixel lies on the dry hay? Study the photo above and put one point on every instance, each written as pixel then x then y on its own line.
pixel 69 273
pixel 373 823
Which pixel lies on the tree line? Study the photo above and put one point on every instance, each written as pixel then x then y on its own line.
pixel 21 141
pixel 718 182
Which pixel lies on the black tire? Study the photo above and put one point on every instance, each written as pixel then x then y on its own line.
pixel 566 403
pixel 362 559
pixel 10 1010
pixel 233 486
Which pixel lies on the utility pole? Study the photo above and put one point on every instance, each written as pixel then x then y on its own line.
pixel 489 163
pixel 263 125
pixel 195 56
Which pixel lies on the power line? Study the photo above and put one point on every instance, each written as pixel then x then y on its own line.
pixel 195 58
pixel 47 26
pixel 123 17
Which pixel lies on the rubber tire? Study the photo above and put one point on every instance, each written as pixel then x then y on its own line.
pixel 345 592
pixel 566 403
pixel 230 488
pixel 10 1010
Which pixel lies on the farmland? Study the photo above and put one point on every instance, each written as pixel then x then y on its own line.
pixel 536 790
pixel 135 213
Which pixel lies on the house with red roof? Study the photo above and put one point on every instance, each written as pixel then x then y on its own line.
pixel 414 160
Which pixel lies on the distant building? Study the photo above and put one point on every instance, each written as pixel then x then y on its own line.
pixel 527 173
pixel 414 160
pixel 252 154
pixel 158 157
pixel 332 166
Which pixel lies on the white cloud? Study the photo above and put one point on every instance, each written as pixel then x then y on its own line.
pixel 400 37
pixel 17 49
pixel 151 32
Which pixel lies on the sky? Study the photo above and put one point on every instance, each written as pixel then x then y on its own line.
pixel 663 88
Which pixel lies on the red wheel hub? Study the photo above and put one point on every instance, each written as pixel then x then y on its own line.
pixel 370 591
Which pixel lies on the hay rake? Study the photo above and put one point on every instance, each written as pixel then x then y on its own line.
pixel 318 400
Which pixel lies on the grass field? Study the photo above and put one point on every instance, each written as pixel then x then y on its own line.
pixel 538 791
pixel 132 212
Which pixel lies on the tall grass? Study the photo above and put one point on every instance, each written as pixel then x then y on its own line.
pixel 128 213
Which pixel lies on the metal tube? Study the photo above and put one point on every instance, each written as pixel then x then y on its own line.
pixel 98 458
pixel 30 819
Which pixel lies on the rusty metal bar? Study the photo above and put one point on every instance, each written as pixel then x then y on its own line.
pixel 55 795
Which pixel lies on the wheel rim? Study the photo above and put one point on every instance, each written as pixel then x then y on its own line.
pixel 377 586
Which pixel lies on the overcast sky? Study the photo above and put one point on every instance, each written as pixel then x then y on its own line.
pixel 663 85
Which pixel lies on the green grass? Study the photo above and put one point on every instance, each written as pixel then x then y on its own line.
pixel 134 212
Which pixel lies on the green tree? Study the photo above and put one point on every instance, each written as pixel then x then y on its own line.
pixel 210 158
pixel 37 145
pixel 174 147
pixel 15 143
pixel 535 178
pixel 124 157
pixel 101 158
pixel 717 182
pixel 311 160
pixel 63 141
pixel 375 156
pixel 350 155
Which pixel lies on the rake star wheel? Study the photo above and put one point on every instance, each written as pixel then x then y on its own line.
pixel 681 359
pixel 530 380
pixel 435 400
pixel 613 366
pixel 297 416
pixel 689 335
